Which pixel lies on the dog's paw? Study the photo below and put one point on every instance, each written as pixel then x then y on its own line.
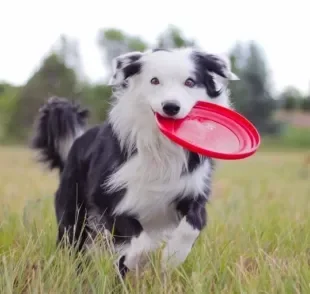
pixel 173 256
pixel 131 263
pixel 136 260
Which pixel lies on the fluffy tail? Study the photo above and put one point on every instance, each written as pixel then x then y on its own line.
pixel 57 126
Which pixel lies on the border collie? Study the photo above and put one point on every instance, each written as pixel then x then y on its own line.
pixel 125 178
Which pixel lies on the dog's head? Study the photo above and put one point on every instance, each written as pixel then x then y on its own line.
pixel 171 82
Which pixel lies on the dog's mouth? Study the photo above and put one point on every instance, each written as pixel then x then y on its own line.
pixel 163 115
pixel 159 114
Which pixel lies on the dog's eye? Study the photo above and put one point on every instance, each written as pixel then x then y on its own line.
pixel 190 83
pixel 155 81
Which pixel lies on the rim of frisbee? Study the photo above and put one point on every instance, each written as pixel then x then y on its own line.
pixel 253 139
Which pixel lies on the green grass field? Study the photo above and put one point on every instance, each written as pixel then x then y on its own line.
pixel 257 239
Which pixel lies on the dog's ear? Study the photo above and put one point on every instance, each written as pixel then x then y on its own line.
pixel 125 66
pixel 215 70
pixel 218 64
pixel 224 58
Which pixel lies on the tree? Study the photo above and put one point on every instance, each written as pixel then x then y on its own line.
pixel 290 103
pixel 96 97
pixel 114 42
pixel 8 94
pixel 52 78
pixel 238 89
pixel 61 73
pixel 172 37
pixel 69 52
pixel 256 76
pixel 251 95
pixel 290 98
pixel 305 104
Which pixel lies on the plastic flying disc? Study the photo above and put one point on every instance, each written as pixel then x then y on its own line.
pixel 212 130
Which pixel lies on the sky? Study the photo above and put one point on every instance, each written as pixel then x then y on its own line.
pixel 29 28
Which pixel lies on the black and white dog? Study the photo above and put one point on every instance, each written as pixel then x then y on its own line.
pixel 123 176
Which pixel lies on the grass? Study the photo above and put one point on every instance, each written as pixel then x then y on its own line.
pixel 292 138
pixel 257 239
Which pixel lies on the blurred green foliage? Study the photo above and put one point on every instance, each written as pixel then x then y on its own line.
pixel 291 99
pixel 291 138
pixel 251 95
pixel 8 98
pixel 61 73
pixel 305 104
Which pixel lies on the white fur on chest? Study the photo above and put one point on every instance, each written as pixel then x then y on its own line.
pixel 152 186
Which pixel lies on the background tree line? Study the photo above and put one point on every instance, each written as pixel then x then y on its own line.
pixel 291 99
pixel 61 73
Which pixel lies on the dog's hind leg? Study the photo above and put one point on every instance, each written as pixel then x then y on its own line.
pixel 70 205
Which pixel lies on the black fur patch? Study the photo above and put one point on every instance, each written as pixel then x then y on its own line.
pixel 194 210
pixel 135 57
pixel 119 64
pixel 204 64
pixel 132 69
pixel 194 160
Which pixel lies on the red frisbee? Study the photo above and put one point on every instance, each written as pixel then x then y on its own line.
pixel 212 130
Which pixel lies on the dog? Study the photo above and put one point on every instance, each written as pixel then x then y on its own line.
pixel 124 177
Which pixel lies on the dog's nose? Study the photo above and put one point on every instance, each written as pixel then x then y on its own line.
pixel 171 108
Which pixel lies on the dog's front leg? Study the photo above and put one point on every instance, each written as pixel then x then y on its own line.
pixel 133 253
pixel 184 236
